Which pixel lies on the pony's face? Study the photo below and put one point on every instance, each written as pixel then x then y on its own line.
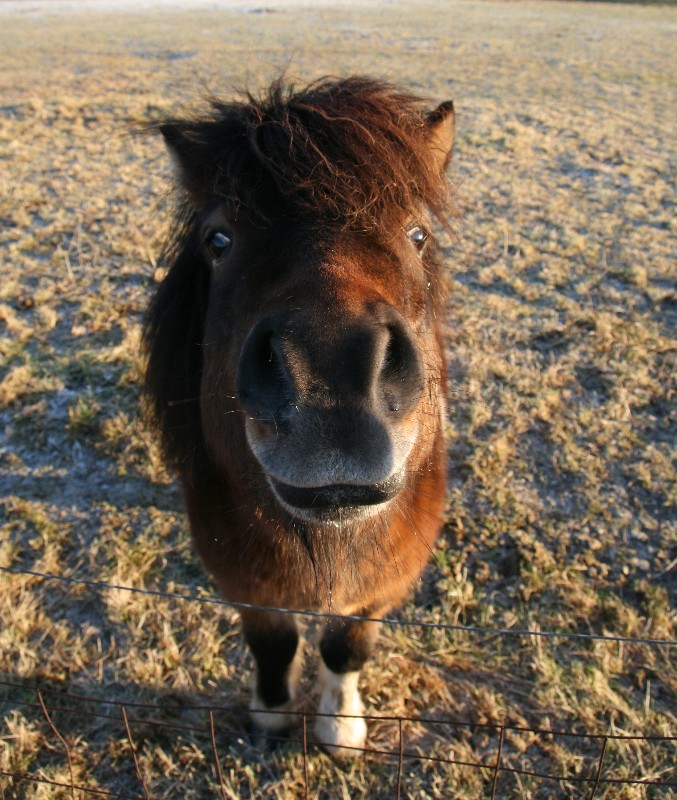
pixel 320 345
pixel 320 365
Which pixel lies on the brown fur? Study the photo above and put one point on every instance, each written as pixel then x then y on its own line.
pixel 318 192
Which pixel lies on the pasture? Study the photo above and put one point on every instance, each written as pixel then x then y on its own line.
pixel 562 420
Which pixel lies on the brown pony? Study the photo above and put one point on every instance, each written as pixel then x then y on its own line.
pixel 296 370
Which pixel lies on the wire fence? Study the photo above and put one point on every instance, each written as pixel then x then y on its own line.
pixel 406 623
pixel 128 716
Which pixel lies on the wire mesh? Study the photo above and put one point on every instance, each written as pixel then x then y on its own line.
pixel 127 715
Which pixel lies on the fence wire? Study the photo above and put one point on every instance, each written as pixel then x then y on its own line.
pixel 126 715
pixel 322 615
pixel 128 722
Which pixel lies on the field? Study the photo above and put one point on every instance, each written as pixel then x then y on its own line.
pixel 562 417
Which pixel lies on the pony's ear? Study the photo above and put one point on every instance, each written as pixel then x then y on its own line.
pixel 175 142
pixel 186 159
pixel 441 132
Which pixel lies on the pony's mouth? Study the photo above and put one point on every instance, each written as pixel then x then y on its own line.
pixel 336 501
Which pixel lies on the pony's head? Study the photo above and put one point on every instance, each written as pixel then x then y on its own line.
pixel 295 343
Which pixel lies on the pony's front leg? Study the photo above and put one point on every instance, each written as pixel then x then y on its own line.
pixel 345 646
pixel 274 642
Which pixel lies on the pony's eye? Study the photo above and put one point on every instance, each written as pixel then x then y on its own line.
pixel 419 236
pixel 218 243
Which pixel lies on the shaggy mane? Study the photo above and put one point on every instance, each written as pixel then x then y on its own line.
pixel 349 152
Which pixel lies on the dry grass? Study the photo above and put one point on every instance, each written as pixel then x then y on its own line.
pixel 562 432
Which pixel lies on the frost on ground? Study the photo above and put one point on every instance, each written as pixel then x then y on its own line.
pixel 562 353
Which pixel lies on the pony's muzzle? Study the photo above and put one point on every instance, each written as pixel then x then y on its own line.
pixel 372 364
pixel 329 410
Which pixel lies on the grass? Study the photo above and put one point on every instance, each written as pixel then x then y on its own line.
pixel 562 351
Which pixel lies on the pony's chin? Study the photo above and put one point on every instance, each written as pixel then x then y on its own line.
pixel 337 504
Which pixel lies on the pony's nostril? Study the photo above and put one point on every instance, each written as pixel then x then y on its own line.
pixel 263 384
pixel 400 379
pixel 397 355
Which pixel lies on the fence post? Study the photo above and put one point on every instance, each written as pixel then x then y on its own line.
pixel 136 762
pixel 599 768
pixel 399 763
pixel 61 739
pixel 216 755
pixel 498 762
pixel 305 756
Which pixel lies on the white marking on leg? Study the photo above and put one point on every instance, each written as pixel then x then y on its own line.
pixel 277 718
pixel 340 695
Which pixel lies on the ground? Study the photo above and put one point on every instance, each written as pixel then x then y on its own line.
pixel 562 418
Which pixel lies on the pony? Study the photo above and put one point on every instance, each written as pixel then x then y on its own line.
pixel 295 368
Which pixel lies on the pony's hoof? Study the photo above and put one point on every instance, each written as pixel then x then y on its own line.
pixel 342 737
pixel 273 719
pixel 340 728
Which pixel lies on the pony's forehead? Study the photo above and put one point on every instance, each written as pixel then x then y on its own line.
pixel 355 153
pixel 279 215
